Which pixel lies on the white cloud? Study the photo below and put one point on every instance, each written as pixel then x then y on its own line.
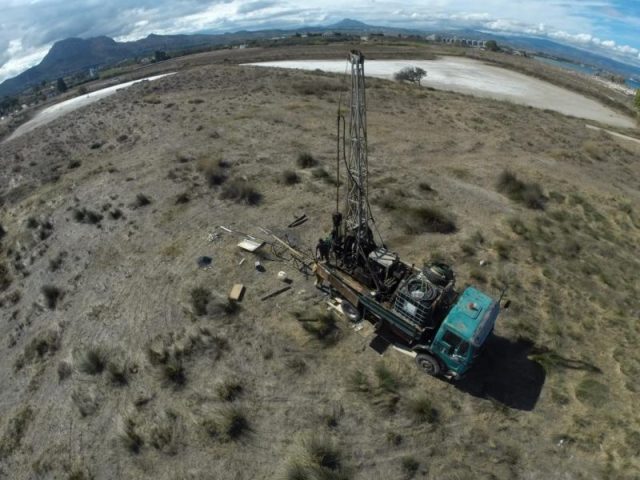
pixel 28 30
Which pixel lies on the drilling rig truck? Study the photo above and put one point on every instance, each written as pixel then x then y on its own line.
pixel 418 310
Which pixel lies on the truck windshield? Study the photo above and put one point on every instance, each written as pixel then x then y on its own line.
pixel 457 346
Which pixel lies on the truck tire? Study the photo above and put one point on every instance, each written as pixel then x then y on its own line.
pixel 428 364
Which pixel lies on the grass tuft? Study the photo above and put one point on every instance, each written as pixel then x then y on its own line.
pixel 409 466
pixel 92 360
pixel 229 390
pixel 428 220
pixel 422 410
pixel 528 194
pixel 52 295
pixel 129 436
pixel 229 424
pixel 200 298
pixel 306 160
pixel 241 191
pixel 289 177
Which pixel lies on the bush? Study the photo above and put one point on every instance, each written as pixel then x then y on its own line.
pixel 92 360
pixel 529 194
pixel 228 425
pixel 428 220
pixel 229 390
pixel 51 295
pixel 306 160
pixel 321 325
pixel 289 177
pixel 387 380
pixel 183 198
pixel 141 200
pixel 422 410
pixel 241 191
pixel 409 467
pixel 129 437
pixel 118 370
pixel 84 215
pixel 213 171
pixel 173 371
pixel 410 74
pixel 200 298
pixel 318 459
pixel 5 277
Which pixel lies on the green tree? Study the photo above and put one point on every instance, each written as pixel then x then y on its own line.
pixel 410 74
pixel 61 85
pixel 492 45
pixel 637 101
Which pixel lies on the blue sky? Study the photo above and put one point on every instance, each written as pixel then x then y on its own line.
pixel 29 28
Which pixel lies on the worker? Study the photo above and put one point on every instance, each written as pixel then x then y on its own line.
pixel 323 248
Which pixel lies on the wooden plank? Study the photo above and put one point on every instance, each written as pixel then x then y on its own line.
pixel 237 292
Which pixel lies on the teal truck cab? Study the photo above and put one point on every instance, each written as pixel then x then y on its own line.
pixel 419 312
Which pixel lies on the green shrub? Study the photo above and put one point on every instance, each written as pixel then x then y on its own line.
pixel 306 160
pixel 229 424
pixel 5 277
pixel 229 390
pixel 289 177
pixel 387 380
pixel 129 436
pixel 200 298
pixel 142 200
pixel 321 325
pixel 428 220
pixel 409 466
pixel 92 360
pixel 529 194
pixel 173 371
pixel 52 295
pixel 422 410
pixel 84 215
pixel 241 191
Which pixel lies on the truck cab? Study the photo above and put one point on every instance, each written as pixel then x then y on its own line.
pixel 463 333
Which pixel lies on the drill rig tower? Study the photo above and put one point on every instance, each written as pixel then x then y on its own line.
pixel 357 238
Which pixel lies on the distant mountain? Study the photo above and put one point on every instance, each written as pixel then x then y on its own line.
pixel 76 54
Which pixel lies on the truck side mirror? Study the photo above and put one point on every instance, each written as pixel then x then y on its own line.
pixel 506 305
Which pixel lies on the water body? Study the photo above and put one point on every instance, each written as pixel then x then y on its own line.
pixel 477 78
pixel 49 114
pixel 576 67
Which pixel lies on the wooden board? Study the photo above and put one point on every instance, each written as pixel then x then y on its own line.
pixel 236 293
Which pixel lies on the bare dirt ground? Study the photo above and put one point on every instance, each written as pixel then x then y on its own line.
pixel 110 369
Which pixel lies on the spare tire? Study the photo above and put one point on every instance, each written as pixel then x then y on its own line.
pixel 438 273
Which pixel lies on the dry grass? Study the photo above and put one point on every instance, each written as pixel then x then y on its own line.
pixel 15 430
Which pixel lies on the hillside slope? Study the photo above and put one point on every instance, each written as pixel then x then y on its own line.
pixel 121 359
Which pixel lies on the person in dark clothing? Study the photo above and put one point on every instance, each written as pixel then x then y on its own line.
pixel 323 248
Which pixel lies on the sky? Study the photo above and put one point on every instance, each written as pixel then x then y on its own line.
pixel 29 28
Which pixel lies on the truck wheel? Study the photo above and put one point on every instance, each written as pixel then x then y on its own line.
pixel 428 364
